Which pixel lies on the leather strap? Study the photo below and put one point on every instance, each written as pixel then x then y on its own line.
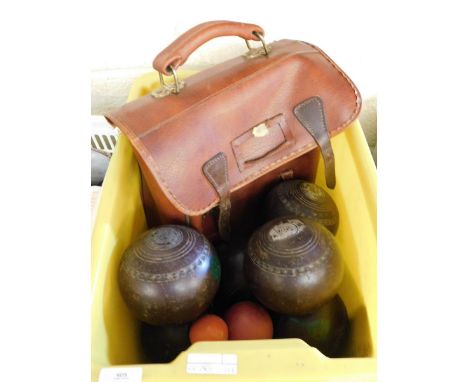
pixel 216 171
pixel 311 115
pixel 180 50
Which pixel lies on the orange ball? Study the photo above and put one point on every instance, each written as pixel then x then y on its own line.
pixel 208 328
pixel 248 321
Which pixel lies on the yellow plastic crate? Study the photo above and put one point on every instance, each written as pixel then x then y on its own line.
pixel 120 218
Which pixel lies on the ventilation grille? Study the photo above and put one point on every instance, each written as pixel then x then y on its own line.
pixel 103 142
pixel 103 137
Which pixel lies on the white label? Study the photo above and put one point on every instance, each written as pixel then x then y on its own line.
pixel 207 363
pixel 260 130
pixel 287 229
pixel 120 374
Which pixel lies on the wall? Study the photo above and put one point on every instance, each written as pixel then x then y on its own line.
pixel 128 35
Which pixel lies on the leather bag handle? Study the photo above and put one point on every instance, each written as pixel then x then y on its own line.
pixel 179 51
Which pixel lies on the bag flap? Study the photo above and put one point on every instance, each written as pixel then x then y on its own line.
pixel 244 108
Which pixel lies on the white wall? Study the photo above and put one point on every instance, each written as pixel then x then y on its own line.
pixel 129 34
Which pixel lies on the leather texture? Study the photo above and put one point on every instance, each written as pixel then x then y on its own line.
pixel 174 136
pixel 216 171
pixel 312 116
pixel 179 51
pixel 255 144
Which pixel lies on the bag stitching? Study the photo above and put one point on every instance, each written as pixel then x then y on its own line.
pixel 305 103
pixel 319 102
pixel 304 148
pixel 232 86
pixel 210 164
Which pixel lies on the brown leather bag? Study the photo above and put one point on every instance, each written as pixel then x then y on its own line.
pixel 210 146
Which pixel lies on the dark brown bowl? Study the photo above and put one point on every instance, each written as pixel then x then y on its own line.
pixel 162 344
pixel 305 199
pixel 326 328
pixel 233 286
pixel 293 265
pixel 169 275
